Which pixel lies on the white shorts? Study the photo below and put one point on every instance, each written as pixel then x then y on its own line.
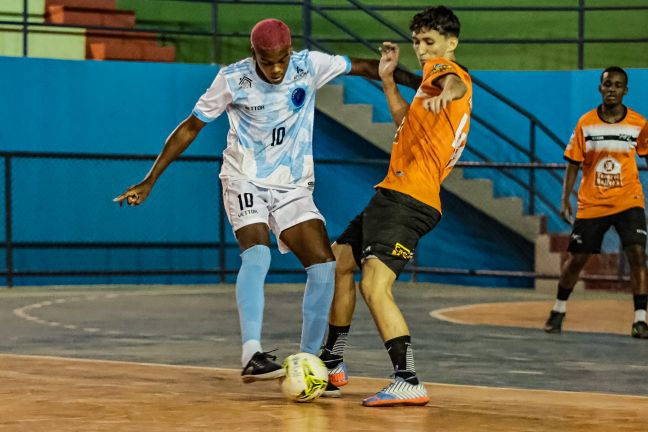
pixel 248 203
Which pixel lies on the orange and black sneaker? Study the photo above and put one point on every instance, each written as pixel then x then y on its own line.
pixel 338 375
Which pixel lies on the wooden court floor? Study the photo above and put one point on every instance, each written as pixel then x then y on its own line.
pixel 57 394
pixel 140 360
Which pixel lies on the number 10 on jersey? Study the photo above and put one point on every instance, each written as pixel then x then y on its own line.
pixel 278 135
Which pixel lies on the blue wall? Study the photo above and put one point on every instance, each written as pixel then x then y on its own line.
pixel 556 98
pixel 115 107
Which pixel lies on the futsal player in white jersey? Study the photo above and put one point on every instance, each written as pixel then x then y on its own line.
pixel 268 176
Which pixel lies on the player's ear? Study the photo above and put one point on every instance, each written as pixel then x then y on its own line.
pixel 453 42
pixel 252 52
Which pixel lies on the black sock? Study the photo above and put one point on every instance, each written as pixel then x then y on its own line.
pixel 336 341
pixel 402 357
pixel 640 301
pixel 563 293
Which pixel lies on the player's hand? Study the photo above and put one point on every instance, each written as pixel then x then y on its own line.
pixel 389 54
pixel 438 103
pixel 135 195
pixel 566 212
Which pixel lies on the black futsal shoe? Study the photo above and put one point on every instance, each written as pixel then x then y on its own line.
pixel 554 322
pixel 640 330
pixel 262 367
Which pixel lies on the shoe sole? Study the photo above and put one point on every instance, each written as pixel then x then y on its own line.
pixel 332 394
pixel 264 377
pixel 397 402
pixel 553 331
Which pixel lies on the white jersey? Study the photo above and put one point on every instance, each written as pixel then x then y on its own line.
pixel 271 125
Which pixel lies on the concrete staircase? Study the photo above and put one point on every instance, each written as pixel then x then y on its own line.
pixel 477 192
pixel 107 44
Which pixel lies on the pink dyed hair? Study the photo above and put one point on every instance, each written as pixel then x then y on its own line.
pixel 270 35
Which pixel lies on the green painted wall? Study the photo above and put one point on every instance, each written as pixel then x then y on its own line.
pixel 41 42
pixel 240 18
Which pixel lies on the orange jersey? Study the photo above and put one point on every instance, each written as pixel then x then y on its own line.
pixel 610 181
pixel 427 145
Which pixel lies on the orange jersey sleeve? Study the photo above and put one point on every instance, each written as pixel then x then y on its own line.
pixel 575 150
pixel 607 151
pixel 642 141
pixel 427 145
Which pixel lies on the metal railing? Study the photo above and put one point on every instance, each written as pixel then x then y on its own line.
pixel 220 269
pixel 309 8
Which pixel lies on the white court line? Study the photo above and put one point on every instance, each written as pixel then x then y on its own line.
pixel 440 313
pixel 23 313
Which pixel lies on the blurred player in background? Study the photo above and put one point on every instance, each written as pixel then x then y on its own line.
pixel 268 176
pixel 604 143
pixel 381 240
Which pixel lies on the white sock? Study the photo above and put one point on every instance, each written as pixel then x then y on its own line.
pixel 560 306
pixel 640 315
pixel 249 348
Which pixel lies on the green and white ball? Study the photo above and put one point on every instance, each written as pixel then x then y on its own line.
pixel 306 377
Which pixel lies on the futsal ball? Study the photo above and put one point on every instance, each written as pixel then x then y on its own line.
pixel 306 377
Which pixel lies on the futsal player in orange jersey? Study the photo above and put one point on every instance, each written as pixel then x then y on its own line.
pixel 604 143
pixel 381 240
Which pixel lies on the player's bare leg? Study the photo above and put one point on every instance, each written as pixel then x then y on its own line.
pixel 568 277
pixel 310 243
pixel 252 235
pixel 344 299
pixel 254 241
pixel 636 255
pixel 376 289
pixel 571 270
pixel 340 318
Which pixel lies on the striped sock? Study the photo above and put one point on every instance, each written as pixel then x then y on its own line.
pixel 402 357
pixel 336 343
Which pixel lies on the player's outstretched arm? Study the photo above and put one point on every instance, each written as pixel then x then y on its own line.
pixel 398 106
pixel 178 141
pixel 369 68
pixel 571 172
pixel 452 89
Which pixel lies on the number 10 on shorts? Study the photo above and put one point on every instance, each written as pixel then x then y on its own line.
pixel 246 200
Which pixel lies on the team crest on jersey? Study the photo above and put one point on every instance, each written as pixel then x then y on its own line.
pixel 440 67
pixel 245 82
pixel 300 72
pixel 298 97
pixel 402 251
pixel 608 173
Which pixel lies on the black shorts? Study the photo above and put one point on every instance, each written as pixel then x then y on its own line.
pixel 587 234
pixel 389 229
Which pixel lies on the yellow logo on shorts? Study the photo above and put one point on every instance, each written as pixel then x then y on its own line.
pixel 402 251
